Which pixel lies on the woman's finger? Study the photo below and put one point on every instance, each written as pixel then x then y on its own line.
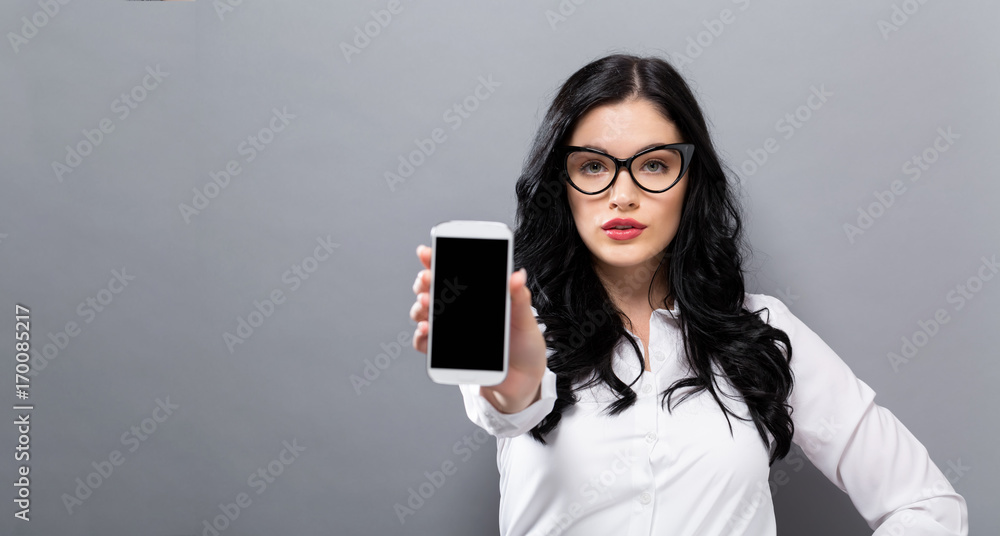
pixel 420 337
pixel 423 282
pixel 420 307
pixel 424 254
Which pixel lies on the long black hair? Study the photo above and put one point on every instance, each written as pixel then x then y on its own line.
pixel 702 264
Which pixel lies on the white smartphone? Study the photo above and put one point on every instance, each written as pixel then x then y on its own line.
pixel 469 315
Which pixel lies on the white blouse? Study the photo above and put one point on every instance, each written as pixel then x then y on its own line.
pixel 648 471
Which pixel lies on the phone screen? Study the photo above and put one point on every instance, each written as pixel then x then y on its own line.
pixel 470 286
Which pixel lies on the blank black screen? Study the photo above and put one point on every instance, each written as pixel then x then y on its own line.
pixel 470 285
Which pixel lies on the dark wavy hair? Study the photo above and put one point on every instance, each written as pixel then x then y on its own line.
pixel 702 264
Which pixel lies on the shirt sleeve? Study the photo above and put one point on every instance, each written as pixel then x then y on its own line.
pixel 498 424
pixel 860 446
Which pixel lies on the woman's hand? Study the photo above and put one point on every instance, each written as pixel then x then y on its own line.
pixel 523 384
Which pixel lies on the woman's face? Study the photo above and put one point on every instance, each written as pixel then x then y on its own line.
pixel 622 130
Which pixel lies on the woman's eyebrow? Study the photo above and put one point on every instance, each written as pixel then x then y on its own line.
pixel 602 149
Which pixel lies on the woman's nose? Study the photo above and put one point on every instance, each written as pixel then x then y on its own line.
pixel 624 192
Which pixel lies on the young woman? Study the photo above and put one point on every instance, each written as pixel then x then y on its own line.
pixel 647 392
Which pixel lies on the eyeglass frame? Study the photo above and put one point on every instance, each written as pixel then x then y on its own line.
pixel 686 151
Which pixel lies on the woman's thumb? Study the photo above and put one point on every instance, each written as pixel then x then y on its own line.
pixel 519 284
pixel 520 296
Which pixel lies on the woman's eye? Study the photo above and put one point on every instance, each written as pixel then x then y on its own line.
pixel 593 167
pixel 656 167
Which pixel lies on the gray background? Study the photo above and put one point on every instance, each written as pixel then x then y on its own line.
pixel 324 175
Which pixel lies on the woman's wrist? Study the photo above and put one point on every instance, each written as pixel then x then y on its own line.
pixel 513 402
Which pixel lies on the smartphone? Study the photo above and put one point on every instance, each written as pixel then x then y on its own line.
pixel 469 315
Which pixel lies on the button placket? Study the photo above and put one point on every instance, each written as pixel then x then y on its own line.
pixel 649 386
pixel 645 423
pixel 649 389
pixel 648 440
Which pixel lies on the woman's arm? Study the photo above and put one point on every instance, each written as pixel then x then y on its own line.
pixel 860 446
pixel 516 405
pixel 529 384
pixel 514 399
pixel 487 416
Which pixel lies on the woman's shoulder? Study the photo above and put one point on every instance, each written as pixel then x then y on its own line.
pixel 771 309
pixel 758 301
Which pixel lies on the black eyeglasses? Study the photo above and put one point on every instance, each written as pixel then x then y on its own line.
pixel 655 170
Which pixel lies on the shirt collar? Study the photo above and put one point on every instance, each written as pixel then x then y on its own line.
pixel 669 312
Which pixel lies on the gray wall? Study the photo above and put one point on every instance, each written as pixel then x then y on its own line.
pixel 321 176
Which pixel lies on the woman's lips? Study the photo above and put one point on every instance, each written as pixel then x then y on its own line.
pixel 623 234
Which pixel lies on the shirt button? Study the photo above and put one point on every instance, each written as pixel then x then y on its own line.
pixel 646 389
pixel 658 355
pixel 644 498
pixel 651 437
